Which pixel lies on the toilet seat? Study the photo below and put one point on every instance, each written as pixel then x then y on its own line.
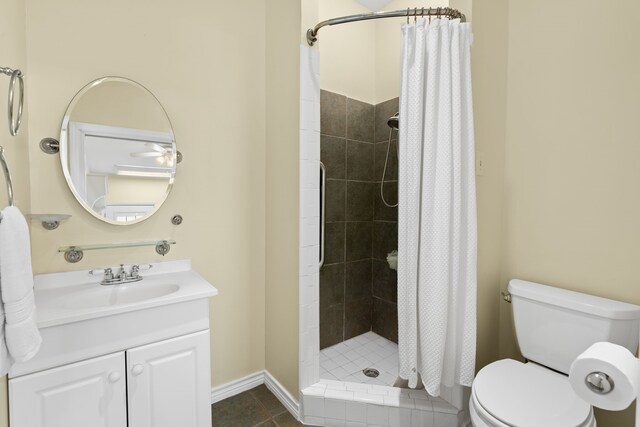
pixel 510 393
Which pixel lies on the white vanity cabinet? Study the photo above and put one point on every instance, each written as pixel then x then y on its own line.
pixel 125 364
pixel 164 384
pixel 168 383
pixel 87 393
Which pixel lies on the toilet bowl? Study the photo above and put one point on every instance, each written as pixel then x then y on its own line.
pixel 510 393
pixel 553 327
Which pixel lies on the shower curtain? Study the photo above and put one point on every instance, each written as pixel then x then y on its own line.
pixel 437 236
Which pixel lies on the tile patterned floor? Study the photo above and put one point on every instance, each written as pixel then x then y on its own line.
pixel 346 361
pixel 253 408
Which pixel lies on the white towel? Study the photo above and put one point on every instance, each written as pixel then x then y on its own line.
pixel 16 286
pixel 5 358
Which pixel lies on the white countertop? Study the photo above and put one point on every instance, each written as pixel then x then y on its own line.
pixel 77 295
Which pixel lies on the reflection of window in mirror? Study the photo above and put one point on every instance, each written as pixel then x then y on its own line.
pixel 142 160
pixel 98 153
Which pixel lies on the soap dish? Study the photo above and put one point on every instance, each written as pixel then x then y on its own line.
pixel 49 221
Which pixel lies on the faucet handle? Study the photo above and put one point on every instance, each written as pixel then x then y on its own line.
pixel 135 269
pixel 108 272
pixel 97 271
pixel 145 267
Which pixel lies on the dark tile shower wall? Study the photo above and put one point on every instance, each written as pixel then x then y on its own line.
pixel 385 226
pixel 347 150
pixel 357 287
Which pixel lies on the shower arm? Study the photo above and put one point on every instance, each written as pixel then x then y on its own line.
pixel 312 33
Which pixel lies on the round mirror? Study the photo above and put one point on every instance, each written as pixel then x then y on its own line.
pixel 118 151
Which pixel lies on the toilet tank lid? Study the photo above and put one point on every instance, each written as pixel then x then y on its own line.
pixel 577 301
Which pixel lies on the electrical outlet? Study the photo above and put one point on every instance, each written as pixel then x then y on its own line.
pixel 480 164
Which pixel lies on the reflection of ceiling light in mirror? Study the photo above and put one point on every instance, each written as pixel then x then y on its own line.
pixel 143 172
pixel 147 154
pixel 157 150
pixel 163 155
pixel 166 160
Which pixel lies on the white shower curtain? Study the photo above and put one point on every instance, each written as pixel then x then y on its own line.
pixel 437 236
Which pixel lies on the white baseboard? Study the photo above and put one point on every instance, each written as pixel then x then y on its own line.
pixel 234 387
pixel 282 394
pixel 238 386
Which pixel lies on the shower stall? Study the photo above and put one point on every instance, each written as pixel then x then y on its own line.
pixel 358 280
pixel 349 358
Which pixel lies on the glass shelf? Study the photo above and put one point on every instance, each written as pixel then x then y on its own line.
pixel 75 253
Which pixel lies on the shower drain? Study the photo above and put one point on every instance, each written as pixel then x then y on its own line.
pixel 371 373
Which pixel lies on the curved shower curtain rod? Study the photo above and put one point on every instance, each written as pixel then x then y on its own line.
pixel 312 33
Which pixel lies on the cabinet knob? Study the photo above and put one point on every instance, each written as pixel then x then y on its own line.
pixel 137 369
pixel 114 377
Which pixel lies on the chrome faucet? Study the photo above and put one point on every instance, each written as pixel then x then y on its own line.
pixel 122 276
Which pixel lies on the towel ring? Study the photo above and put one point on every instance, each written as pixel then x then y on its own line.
pixel 14 125
pixel 16 79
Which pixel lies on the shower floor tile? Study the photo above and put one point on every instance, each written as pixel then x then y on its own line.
pixel 347 360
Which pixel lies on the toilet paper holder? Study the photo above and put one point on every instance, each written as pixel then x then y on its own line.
pixel 599 382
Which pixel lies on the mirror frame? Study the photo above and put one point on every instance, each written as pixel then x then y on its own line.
pixel 64 142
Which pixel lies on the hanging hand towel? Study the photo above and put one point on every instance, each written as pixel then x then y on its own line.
pixel 5 358
pixel 16 285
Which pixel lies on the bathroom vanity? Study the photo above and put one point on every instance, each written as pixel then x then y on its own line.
pixel 132 355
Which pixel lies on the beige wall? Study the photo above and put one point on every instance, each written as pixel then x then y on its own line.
pixel 362 59
pixel 388 48
pixel 208 72
pixel 572 204
pixel 12 46
pixel 120 104
pixel 347 52
pixel 135 190
pixel 282 190
pixel 489 72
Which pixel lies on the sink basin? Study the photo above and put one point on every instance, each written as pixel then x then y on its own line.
pixel 79 319
pixel 76 296
pixel 98 296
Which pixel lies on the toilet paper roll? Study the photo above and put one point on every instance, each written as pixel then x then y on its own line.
pixel 618 364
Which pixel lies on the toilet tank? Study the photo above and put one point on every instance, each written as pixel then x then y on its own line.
pixel 554 325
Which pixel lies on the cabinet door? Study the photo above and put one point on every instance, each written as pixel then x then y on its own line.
pixel 87 393
pixel 168 383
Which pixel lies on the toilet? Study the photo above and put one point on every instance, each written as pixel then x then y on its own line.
pixel 553 327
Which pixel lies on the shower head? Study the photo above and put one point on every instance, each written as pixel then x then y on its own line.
pixel 393 121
